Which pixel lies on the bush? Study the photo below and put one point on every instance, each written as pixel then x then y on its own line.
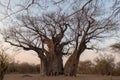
pixel 105 64
pixel 85 67
pixel 4 62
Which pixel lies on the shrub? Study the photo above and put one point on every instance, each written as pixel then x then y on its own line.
pixel 105 64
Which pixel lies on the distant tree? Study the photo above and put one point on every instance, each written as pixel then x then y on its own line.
pixel 117 69
pixel 105 64
pixel 85 67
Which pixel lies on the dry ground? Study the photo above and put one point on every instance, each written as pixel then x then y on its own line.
pixel 38 77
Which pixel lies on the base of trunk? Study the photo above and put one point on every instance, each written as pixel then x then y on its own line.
pixel 51 66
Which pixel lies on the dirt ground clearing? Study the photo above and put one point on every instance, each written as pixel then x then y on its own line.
pixel 38 77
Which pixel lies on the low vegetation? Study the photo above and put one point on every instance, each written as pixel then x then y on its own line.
pixel 102 65
pixel 23 68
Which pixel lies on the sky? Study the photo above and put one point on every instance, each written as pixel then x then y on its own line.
pixel 31 56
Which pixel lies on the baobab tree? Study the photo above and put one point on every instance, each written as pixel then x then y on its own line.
pixel 87 28
pixel 56 33
pixel 33 33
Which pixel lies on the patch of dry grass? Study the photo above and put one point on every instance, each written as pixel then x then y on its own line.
pixel 38 77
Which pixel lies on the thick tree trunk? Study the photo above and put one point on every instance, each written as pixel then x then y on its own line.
pixel 55 70
pixel 60 64
pixel 52 66
pixel 71 65
pixel 43 67
pixel 54 56
pixel 55 65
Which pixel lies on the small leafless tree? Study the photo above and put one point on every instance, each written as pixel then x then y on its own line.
pixel 4 62
pixel 105 64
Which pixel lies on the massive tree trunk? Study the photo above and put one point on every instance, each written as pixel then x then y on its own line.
pixel 60 63
pixel 53 63
pixel 52 59
pixel 47 66
pixel 55 70
pixel 52 66
pixel 71 65
pixel 43 67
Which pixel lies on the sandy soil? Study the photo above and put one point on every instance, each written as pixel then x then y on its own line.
pixel 38 77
